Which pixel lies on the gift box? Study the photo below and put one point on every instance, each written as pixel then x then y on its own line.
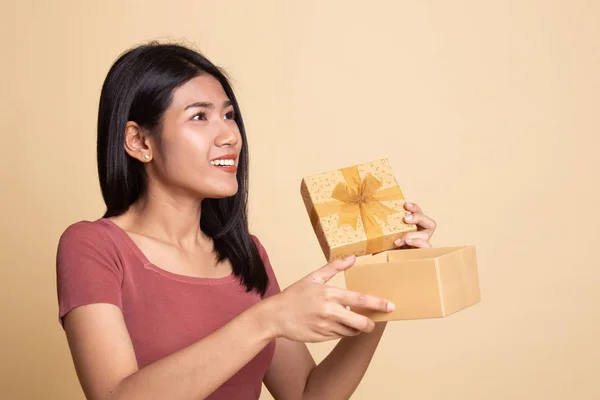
pixel 422 283
pixel 357 210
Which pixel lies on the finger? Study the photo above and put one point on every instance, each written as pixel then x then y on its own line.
pixel 355 321
pixel 365 301
pixel 418 243
pixel 328 271
pixel 422 220
pixel 409 238
pixel 412 207
pixel 319 338
pixel 344 330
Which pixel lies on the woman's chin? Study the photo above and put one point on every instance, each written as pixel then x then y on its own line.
pixel 223 193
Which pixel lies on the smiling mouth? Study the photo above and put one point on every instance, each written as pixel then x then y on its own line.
pixel 223 163
pixel 226 164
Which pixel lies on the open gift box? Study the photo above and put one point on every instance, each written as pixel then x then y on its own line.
pixel 422 283
pixel 359 210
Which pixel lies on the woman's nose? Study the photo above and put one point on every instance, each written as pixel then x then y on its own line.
pixel 226 135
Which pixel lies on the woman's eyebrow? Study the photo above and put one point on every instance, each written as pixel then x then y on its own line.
pixel 203 104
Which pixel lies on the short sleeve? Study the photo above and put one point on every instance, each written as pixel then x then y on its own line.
pixel 273 287
pixel 88 269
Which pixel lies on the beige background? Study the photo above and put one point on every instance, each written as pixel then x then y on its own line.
pixel 488 111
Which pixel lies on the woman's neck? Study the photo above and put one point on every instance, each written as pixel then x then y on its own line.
pixel 166 218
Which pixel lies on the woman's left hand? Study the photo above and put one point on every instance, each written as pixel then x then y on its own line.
pixel 425 228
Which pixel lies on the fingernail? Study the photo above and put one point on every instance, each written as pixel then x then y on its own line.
pixel 409 240
pixel 391 306
pixel 409 217
pixel 349 258
pixel 409 204
pixel 398 241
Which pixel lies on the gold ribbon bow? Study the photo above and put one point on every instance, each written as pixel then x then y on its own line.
pixel 356 198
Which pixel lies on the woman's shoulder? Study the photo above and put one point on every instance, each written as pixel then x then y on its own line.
pixel 88 247
pixel 273 287
pixel 96 232
pixel 257 242
pixel 262 251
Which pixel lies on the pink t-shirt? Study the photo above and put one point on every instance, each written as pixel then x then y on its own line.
pixel 97 262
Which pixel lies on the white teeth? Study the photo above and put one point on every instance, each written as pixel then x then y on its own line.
pixel 223 163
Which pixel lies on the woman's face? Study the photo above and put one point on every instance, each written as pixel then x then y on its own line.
pixel 200 143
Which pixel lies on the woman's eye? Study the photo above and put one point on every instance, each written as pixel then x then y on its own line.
pixel 199 117
pixel 230 115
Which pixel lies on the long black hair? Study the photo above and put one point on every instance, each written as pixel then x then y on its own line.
pixel 139 87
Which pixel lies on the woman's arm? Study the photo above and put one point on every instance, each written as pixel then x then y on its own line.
pixel 339 374
pixel 307 311
pixel 107 369
pixel 293 374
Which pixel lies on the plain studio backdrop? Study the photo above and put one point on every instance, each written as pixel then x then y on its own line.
pixel 487 110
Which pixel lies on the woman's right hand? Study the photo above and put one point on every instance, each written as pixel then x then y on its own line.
pixel 311 311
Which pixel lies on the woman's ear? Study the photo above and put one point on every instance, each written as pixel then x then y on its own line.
pixel 137 142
